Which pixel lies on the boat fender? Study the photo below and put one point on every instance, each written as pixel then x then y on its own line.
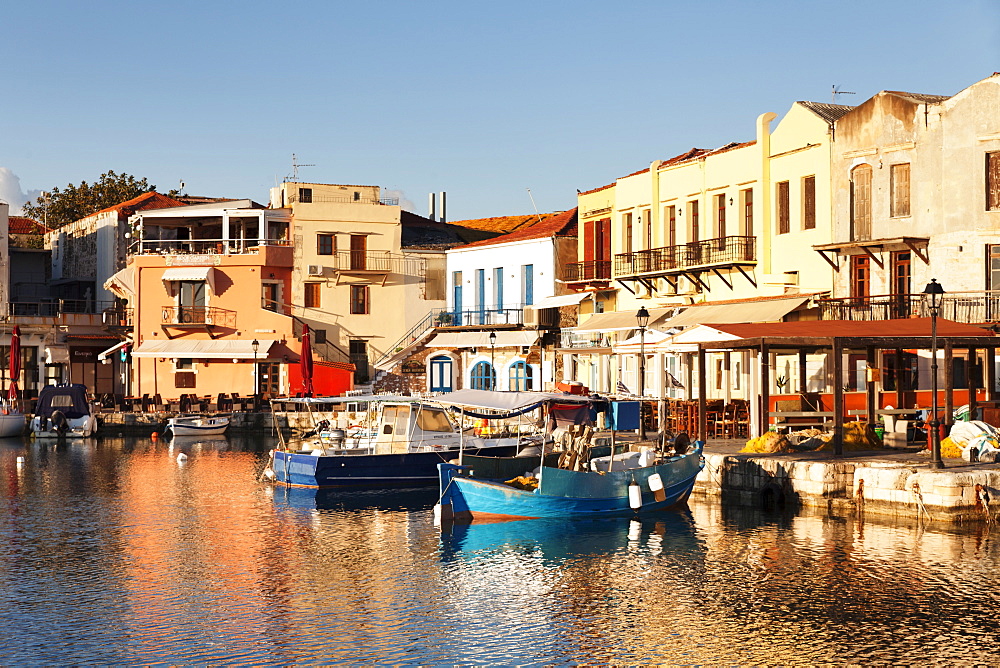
pixel 634 495
pixel 655 483
pixel 3 410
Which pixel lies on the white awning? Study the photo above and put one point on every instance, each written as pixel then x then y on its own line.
pixel 104 355
pixel 206 274
pixel 561 300
pixel 751 311
pixel 57 355
pixel 505 339
pixel 504 401
pixel 203 349
pixel 122 283
pixel 619 320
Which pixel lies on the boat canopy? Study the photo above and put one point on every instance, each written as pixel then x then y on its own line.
pixel 322 401
pixel 70 399
pixel 506 401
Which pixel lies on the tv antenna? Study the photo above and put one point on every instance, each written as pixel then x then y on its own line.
pixel 533 205
pixel 835 91
pixel 295 168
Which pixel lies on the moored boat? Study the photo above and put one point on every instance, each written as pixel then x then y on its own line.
pixel 400 445
pixel 64 411
pixel 197 425
pixel 12 421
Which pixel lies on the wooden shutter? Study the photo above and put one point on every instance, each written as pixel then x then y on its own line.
pixel 899 186
pixel 809 203
pixel 784 222
pixel 993 181
pixel 861 203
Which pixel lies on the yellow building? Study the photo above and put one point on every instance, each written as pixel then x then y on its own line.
pixel 712 228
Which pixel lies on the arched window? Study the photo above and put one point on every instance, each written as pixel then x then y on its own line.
pixel 483 376
pixel 520 376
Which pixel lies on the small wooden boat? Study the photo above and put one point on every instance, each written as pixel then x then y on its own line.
pixel 197 425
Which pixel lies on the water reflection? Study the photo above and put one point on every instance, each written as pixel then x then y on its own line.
pixel 137 558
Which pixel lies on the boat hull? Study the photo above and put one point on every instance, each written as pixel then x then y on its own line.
pixel 12 424
pixel 211 427
pixel 412 469
pixel 568 493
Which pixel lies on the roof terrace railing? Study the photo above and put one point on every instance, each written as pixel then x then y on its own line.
pixel 298 198
pixel 56 307
pixel 204 246
pixel 973 307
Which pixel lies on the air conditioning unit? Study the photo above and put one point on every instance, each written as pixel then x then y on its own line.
pixel 315 269
pixel 530 316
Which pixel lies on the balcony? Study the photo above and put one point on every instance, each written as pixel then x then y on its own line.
pixel 585 340
pixel 513 315
pixel 364 261
pixel 117 319
pixel 204 246
pixel 978 307
pixel 196 317
pixel 590 270
pixel 707 254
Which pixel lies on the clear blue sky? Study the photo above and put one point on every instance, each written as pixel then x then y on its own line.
pixel 482 100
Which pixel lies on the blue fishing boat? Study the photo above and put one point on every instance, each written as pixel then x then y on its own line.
pixel 470 492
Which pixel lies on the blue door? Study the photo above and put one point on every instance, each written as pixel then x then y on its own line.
pixel 441 374
pixel 456 300
pixel 480 296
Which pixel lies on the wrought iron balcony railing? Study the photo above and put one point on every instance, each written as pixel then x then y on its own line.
pixel 590 270
pixel 718 251
pixel 197 316
pixel 967 307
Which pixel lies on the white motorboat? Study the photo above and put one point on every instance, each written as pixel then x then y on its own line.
pixel 64 411
pixel 197 425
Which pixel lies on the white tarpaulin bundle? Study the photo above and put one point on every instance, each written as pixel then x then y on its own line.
pixel 504 401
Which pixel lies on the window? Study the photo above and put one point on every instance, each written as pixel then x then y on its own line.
pixel 191 301
pixel 899 189
pixel 627 233
pixel 481 295
pixel 483 376
pixel 433 419
pixel 693 232
pixel 783 204
pixel 357 196
pixel 809 203
pixel 326 244
pixel 359 299
pixel 520 377
pixel 528 284
pixel 312 295
pixel 993 181
pixel 359 252
pixel 498 289
pixel 860 276
pixel 670 215
pixel 861 203
pixel 901 273
pixel 746 199
pixel 358 349
pixel 270 378
pixel 647 216
pixel 720 215
pixel 305 195
pixel 184 379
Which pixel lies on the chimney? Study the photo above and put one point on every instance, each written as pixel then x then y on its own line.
pixel 430 206
pixel 442 218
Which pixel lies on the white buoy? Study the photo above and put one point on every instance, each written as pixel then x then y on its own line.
pixel 634 496
pixel 655 482
pixel 181 458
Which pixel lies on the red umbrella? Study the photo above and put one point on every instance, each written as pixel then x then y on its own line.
pixel 306 363
pixel 15 362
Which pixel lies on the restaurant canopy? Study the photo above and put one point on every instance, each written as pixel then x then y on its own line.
pixel 764 310
pixel 504 339
pixel 505 401
pixel 561 300
pixel 619 320
pixel 203 349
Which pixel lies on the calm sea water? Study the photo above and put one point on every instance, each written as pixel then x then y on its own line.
pixel 112 552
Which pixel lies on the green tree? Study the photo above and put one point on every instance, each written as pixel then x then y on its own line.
pixel 58 207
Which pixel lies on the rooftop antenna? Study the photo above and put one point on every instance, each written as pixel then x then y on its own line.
pixel 533 205
pixel 835 91
pixel 295 168
pixel 180 190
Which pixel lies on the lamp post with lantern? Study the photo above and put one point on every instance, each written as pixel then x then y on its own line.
pixel 493 361
pixel 255 344
pixel 934 292
pixel 642 319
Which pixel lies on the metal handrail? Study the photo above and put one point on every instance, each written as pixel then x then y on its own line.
pixel 974 306
pixel 57 307
pixel 589 270
pixel 204 246
pixel 211 316
pixel 296 198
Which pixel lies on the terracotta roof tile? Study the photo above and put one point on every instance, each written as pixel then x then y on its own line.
pixel 560 224
pixel 845 328
pixel 24 225
pixel 501 224
pixel 594 190
pixel 144 202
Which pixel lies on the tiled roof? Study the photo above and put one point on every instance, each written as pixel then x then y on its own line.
pixel 501 224
pixel 144 202
pixel 560 224
pixel 24 225
pixel 870 328
pixel 423 233
pixel 595 190
pixel 918 97
pixel 828 112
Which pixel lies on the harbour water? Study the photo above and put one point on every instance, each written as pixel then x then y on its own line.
pixel 114 552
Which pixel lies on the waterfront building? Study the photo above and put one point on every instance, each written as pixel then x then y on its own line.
pixel 916 182
pixel 504 296
pixel 703 232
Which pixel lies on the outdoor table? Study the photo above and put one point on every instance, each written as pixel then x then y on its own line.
pixel 801 414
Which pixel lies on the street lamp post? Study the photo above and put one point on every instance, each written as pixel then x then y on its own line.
pixel 934 291
pixel 642 319
pixel 493 361
pixel 255 344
